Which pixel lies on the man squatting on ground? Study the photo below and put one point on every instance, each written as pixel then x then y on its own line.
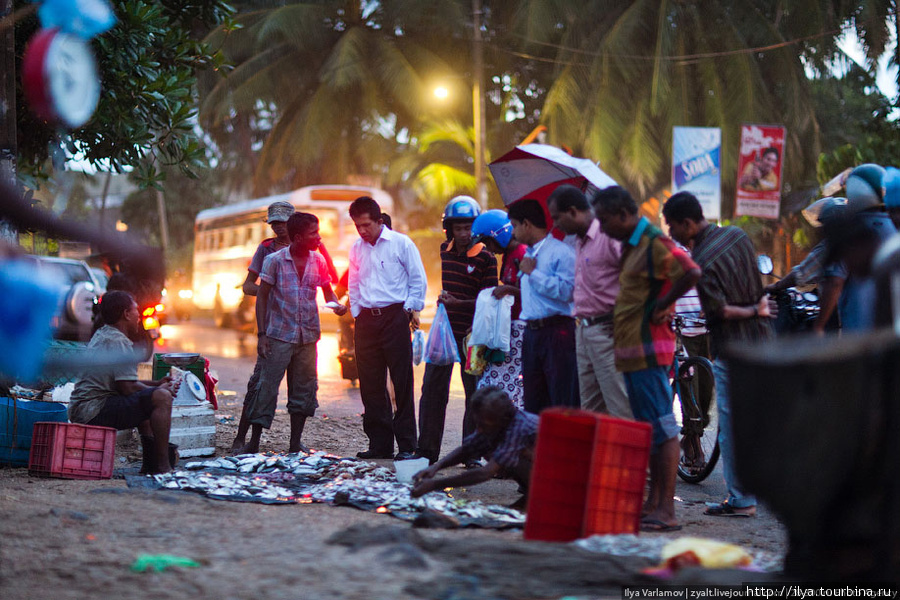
pixel 286 312
pixel 466 269
pixel 547 276
pixel 112 396
pixel 655 273
pixel 504 435
pixel 387 291
pixel 597 268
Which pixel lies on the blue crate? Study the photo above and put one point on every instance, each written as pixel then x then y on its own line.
pixel 17 419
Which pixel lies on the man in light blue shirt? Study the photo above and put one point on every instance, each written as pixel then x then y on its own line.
pixel 386 286
pixel 547 281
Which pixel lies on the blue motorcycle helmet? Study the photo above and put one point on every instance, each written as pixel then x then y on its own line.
pixel 460 208
pixel 892 187
pixel 865 187
pixel 493 224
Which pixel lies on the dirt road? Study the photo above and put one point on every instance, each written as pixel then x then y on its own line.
pixel 76 539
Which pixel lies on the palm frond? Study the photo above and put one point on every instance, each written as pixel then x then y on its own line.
pixel 437 183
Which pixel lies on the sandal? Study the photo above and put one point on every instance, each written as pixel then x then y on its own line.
pixel 726 510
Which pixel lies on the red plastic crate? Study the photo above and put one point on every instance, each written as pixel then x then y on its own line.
pixel 618 477
pixel 588 478
pixel 72 451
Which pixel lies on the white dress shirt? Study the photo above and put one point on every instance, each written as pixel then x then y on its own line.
pixel 388 272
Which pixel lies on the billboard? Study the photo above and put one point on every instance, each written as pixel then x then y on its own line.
pixel 696 166
pixel 759 171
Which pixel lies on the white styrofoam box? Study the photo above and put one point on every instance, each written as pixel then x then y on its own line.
pixel 194 430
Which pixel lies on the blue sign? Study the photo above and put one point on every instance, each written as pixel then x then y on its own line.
pixel 696 166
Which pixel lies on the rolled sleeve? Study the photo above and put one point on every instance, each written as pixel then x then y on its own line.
pixel 268 273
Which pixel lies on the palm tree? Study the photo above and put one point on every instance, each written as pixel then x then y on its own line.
pixel 628 72
pixel 342 79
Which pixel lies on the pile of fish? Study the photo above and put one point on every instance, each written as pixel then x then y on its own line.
pixel 319 477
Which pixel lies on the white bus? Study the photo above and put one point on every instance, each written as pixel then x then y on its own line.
pixel 226 237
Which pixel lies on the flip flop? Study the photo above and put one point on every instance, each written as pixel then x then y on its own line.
pixel 657 526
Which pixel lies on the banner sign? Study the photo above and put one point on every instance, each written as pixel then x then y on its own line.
pixel 696 166
pixel 759 171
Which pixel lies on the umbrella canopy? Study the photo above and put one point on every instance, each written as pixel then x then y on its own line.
pixel 535 170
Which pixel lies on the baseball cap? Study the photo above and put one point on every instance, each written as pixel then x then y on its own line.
pixel 280 211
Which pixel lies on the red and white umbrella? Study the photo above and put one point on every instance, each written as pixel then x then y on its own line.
pixel 535 170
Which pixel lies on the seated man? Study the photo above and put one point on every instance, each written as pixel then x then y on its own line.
pixel 112 396
pixel 504 435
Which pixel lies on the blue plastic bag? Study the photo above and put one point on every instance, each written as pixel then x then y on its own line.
pixel 418 345
pixel 26 310
pixel 441 347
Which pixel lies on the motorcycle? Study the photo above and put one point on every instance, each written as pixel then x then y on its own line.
pixel 797 310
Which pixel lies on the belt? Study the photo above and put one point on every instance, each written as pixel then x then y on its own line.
pixel 377 312
pixel 595 320
pixel 548 321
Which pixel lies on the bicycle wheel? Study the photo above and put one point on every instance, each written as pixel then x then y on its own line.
pixel 696 410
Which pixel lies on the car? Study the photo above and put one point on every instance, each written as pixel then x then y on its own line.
pixel 102 279
pixel 79 293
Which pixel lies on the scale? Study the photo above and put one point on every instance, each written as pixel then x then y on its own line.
pixel 192 389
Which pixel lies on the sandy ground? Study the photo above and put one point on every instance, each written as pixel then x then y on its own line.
pixel 76 539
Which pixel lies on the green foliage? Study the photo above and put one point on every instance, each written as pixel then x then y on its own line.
pixel 851 108
pixel 145 118
pixel 184 196
pixel 618 88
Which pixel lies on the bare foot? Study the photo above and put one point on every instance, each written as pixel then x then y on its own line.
pixel 237 444
pixel 300 447
pixel 249 448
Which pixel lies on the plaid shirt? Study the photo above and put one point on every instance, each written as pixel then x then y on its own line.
pixel 293 315
pixel 507 446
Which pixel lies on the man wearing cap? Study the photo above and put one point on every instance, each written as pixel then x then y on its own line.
pixel 386 286
pixel 466 269
pixel 277 216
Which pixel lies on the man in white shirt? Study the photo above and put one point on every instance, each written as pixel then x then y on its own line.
pixel 387 290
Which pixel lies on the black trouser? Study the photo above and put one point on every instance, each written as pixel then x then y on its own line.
pixel 383 344
pixel 433 403
pixel 549 365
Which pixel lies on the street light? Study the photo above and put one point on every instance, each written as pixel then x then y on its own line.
pixel 442 93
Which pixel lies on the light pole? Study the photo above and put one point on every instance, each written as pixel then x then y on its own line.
pixel 478 121
pixel 478 103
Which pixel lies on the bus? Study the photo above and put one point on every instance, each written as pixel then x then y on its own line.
pixel 226 237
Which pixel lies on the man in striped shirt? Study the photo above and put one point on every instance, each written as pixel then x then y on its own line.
pixel 737 309
pixel 466 269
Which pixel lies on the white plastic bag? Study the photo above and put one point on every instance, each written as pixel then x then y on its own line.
pixel 418 346
pixel 441 347
pixel 493 320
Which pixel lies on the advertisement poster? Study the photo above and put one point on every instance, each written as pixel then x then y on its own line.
pixel 759 171
pixel 696 166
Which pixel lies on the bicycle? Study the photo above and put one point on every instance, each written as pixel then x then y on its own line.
pixel 697 415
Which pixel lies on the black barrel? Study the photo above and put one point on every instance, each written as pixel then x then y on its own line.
pixel 817 437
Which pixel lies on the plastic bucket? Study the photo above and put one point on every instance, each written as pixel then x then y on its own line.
pixel 407 468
